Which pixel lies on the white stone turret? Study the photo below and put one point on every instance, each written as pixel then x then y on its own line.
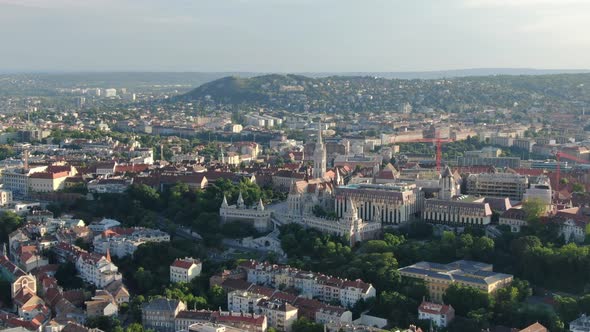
pixel 338 180
pixel 351 212
pixel 260 206
pixel 240 201
pixel 224 203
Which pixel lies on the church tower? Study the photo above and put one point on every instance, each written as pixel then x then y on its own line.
pixel 448 189
pixel 319 156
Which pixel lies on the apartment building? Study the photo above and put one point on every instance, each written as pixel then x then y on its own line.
pixel 185 269
pixel 228 319
pixel 97 269
pixel 438 277
pixel 160 314
pixel 123 242
pixel 309 284
pixel 508 185
pixel 243 301
pixel 280 315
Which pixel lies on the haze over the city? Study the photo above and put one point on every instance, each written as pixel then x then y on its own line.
pixel 292 35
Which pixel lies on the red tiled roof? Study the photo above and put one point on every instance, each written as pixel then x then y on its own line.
pixel 48 175
pixel 535 328
pixel 257 320
pixel 235 284
pixel 183 264
pixel 433 308
pixel 134 168
pixel 265 291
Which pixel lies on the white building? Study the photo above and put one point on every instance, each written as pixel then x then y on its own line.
pixel 381 203
pixel 258 216
pixel 103 225
pixel 280 315
pixel 241 301
pixel 309 284
pixel 185 270
pixel 581 324
pixel 123 242
pixel 457 212
pixel 540 190
pixel 439 314
pixel 97 269
pixel 332 314
pixel 110 92
pixel 349 225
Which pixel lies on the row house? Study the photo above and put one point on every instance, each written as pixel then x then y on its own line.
pixel 309 284
pixel 93 268
pixel 237 320
pixel 97 269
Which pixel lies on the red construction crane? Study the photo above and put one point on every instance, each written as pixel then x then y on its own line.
pixel 438 151
pixel 558 156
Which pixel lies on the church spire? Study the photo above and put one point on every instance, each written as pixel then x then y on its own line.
pixel 319 156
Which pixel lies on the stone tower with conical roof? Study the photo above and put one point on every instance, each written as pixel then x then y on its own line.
pixel 447 185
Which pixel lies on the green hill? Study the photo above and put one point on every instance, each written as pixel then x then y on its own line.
pixel 295 93
pixel 238 90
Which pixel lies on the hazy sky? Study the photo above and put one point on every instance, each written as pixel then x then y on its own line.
pixel 293 35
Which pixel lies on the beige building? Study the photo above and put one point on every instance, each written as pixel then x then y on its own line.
pixel 438 277
pixel 513 218
pixel 102 304
pixel 5 197
pixel 280 315
pixel 382 203
pixel 159 314
pixel 185 269
pixel 462 211
pixel 47 182
pixel 508 185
